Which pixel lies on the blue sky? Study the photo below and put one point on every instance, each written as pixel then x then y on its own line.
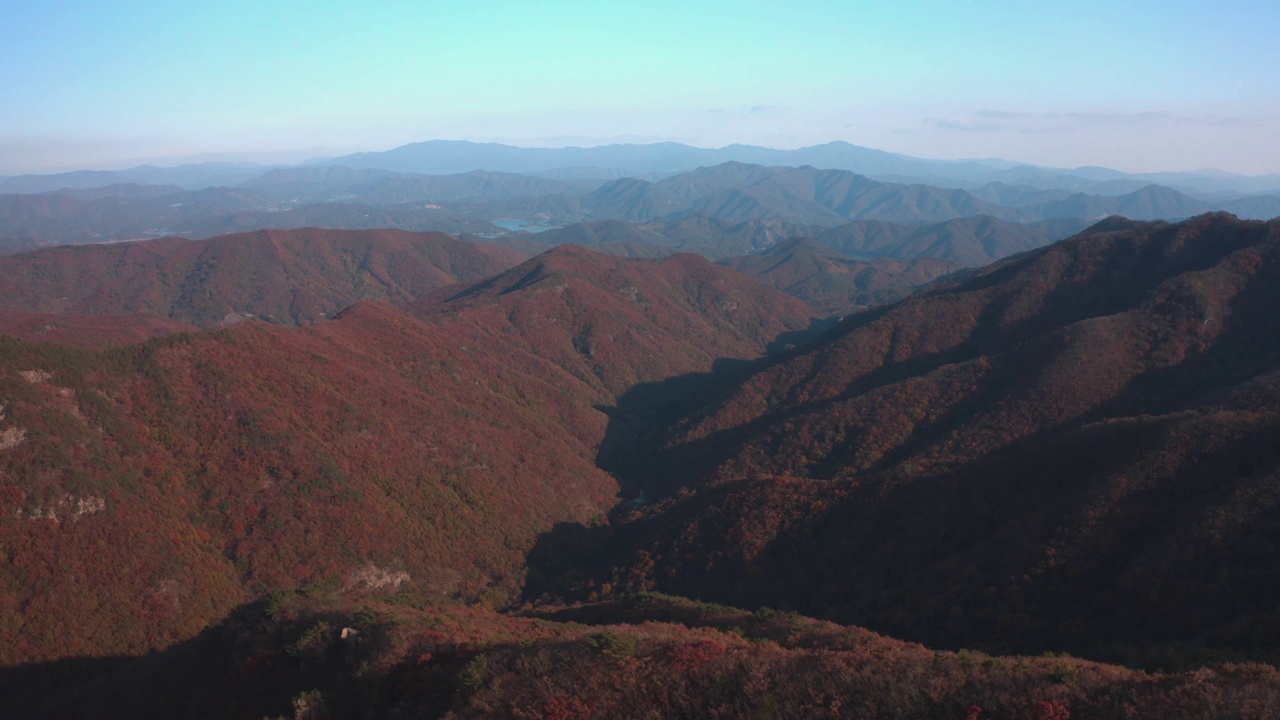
pixel 1133 85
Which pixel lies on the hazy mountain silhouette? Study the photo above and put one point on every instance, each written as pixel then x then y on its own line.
pixel 446 157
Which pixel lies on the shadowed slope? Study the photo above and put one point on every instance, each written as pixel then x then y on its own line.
pixel 1070 450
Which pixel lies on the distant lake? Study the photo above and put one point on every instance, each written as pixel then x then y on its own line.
pixel 532 226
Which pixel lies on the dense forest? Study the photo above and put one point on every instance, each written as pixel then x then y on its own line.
pixel 1070 450
pixel 416 477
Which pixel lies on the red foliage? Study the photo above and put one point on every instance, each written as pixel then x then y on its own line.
pixel 688 657
pixel 1094 420
pixel 563 707
pixel 1049 710
pixel 377 449
pixel 286 276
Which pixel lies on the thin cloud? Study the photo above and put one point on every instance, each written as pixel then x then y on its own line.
pixel 967 124
pixel 1140 118
pixel 1001 114
pixel 751 112
pixel 1008 121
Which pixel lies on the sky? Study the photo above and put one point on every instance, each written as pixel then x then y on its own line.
pixel 1138 86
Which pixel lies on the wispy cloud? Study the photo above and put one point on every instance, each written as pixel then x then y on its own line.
pixel 1009 121
pixel 967 124
pixel 1001 114
pixel 1114 118
pixel 751 112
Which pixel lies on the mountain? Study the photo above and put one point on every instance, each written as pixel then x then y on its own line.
pixel 1150 203
pixel 289 276
pixel 471 202
pixel 375 450
pixel 315 182
pixel 717 238
pixel 597 233
pixel 706 236
pixel 195 176
pixel 76 180
pixel 654 161
pixel 123 190
pixel 132 212
pixel 1257 207
pixel 1019 195
pixel 88 331
pixel 1208 181
pixel 462 504
pixel 1070 449
pixel 187 177
pixel 438 157
pixel 834 283
pixel 697 184
pixel 969 242
pixel 685 296
pixel 93 216
pixel 737 192
pixel 629 199
pixel 409 217
pixel 381 187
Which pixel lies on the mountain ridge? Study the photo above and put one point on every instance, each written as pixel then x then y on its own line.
pixel 1069 435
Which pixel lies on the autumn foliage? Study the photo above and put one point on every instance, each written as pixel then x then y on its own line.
pixel 1071 450
pixel 464 501
pixel 145 490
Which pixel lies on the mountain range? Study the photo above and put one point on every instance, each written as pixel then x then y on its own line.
pixel 1070 449
pixel 283 276
pixel 271 439
pixel 418 438
pixel 420 476
pixel 445 157
pixel 485 203
pixel 654 161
